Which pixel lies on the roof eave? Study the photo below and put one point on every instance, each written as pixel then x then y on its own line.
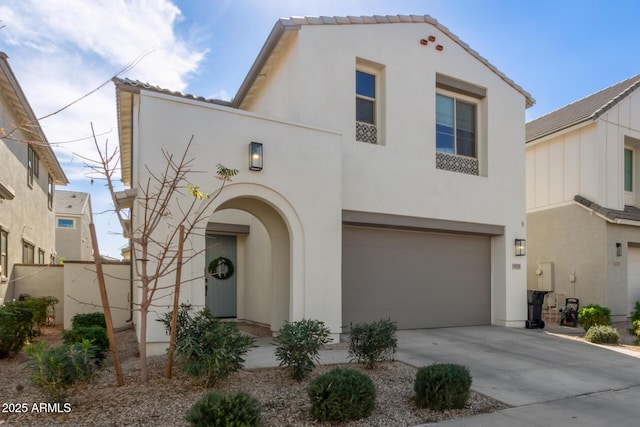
pixel 27 115
pixel 561 131
pixel 267 49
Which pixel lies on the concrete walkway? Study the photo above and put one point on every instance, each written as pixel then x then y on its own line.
pixel 547 380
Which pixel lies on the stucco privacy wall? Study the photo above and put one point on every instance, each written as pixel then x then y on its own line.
pixel 302 169
pixel 41 281
pixel 82 293
pixel 399 176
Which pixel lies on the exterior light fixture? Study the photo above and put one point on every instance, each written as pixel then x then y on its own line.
pixel 618 249
pixel 521 247
pixel 255 156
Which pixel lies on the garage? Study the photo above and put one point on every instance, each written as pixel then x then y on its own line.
pixel 417 279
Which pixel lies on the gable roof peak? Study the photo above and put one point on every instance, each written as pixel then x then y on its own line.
pixel 284 26
pixel 591 107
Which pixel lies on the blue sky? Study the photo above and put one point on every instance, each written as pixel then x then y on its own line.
pixel 559 51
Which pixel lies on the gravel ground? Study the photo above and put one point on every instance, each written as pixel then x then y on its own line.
pixel 164 402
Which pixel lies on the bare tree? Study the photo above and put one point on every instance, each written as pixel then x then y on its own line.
pixel 162 210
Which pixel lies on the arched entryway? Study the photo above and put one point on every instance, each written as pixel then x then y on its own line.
pixel 258 231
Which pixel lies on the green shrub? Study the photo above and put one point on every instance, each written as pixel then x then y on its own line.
pixel 635 314
pixel 89 319
pixel 602 334
pixel 15 329
pixel 371 343
pixel 97 335
pixel 56 369
pixel 592 315
pixel 298 344
pixel 442 386
pixel 41 307
pixel 341 395
pixel 214 409
pixel 207 347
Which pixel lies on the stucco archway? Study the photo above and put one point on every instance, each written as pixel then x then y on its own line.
pixel 270 243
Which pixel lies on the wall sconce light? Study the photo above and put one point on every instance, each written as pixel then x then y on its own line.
pixel 255 156
pixel 618 249
pixel 521 247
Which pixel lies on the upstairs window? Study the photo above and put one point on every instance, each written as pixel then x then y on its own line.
pixel 50 189
pixel 27 252
pixel 40 256
pixel 4 265
pixel 365 97
pixel 36 165
pixel 455 126
pixel 369 105
pixel 30 157
pixel 66 223
pixel 628 170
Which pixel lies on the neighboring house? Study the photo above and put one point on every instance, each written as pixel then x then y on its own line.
pixel 29 172
pixel 583 216
pixel 73 216
pixel 392 169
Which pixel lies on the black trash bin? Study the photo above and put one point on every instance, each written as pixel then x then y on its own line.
pixel 535 302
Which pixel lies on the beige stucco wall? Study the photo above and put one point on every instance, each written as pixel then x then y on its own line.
pixel 41 281
pixel 82 293
pixel 574 241
pixel 74 244
pixel 579 242
pixel 18 216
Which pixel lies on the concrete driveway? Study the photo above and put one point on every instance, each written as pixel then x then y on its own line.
pixel 548 380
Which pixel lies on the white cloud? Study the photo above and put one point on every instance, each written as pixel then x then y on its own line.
pixel 62 49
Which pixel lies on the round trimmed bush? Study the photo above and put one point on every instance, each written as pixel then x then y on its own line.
pixel 593 314
pixel 602 334
pixel 214 409
pixel 341 395
pixel 442 386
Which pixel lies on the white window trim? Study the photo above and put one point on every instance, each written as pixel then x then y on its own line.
pixel 629 196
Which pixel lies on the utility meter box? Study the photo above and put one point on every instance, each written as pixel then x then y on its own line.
pixel 546 282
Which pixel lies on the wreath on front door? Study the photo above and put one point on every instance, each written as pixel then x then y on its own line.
pixel 221 268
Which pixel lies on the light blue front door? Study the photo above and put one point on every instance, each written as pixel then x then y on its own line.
pixel 221 294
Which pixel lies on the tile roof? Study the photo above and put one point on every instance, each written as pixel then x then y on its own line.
pixel 630 213
pixel 136 85
pixel 588 108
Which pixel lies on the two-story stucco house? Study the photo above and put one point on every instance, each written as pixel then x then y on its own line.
pixel 389 185
pixel 29 172
pixel 73 216
pixel 583 202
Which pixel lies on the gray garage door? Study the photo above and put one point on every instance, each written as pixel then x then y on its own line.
pixel 419 280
